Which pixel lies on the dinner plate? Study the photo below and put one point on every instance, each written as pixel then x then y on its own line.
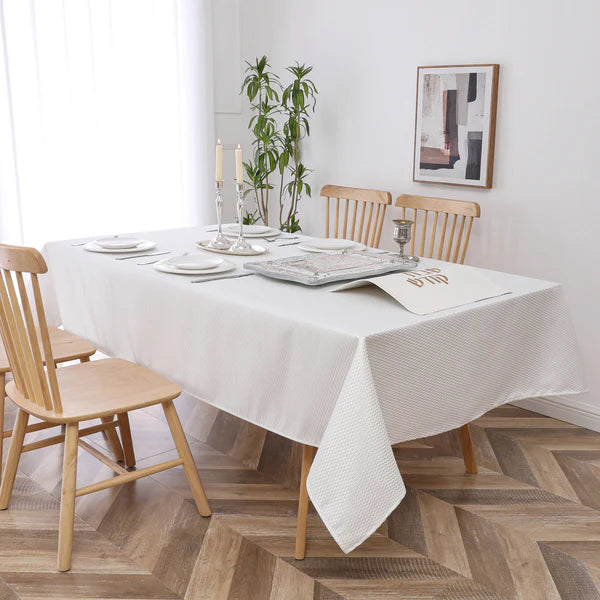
pixel 144 245
pixel 118 242
pixel 165 267
pixel 250 231
pixel 330 245
pixel 193 262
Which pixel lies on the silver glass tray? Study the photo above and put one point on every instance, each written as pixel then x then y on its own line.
pixel 326 268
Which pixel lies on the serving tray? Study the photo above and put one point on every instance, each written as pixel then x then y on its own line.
pixel 326 268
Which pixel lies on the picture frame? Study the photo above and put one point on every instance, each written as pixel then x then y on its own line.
pixel 455 124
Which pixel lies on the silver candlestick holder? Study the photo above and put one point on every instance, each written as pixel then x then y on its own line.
pixel 219 242
pixel 402 234
pixel 241 246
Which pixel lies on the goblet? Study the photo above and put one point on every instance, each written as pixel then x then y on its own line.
pixel 402 235
pixel 219 242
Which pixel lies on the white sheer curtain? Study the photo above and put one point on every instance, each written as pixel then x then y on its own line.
pixel 106 117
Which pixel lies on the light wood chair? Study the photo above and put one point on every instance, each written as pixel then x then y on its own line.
pixel 65 347
pixel 449 249
pixel 365 225
pixel 72 394
pixel 442 228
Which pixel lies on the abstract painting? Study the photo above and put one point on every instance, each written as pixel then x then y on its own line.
pixel 455 124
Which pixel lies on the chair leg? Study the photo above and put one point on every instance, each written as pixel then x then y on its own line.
pixel 67 498
pixel 113 440
pixel 466 444
pixel 2 402
pixel 110 434
pixel 308 455
pixel 127 441
pixel 12 460
pixel 189 465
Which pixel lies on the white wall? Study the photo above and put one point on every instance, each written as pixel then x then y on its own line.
pixel 234 33
pixel 541 218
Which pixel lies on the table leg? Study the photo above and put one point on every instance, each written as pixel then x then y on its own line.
pixel 466 444
pixel 308 455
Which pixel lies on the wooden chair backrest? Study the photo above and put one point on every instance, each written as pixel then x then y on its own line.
pixel 432 237
pixel 369 226
pixel 18 328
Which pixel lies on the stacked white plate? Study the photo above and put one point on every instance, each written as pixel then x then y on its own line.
pixel 330 245
pixel 250 231
pixel 193 264
pixel 119 244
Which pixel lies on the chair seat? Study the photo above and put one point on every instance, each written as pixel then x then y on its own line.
pixel 65 346
pixel 100 388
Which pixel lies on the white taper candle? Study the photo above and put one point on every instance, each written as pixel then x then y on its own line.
pixel 219 162
pixel 239 167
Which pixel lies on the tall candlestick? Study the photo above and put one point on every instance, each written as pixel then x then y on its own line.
pixel 219 162
pixel 239 167
pixel 219 242
pixel 241 246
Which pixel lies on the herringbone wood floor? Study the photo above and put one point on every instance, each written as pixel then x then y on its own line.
pixel 526 528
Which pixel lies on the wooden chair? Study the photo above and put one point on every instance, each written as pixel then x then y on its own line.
pixel 368 231
pixel 65 347
pixel 435 227
pixel 72 394
pixel 435 237
pixel 450 249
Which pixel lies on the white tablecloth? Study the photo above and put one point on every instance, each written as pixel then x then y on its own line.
pixel 351 373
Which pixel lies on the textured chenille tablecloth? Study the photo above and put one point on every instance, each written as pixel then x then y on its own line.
pixel 350 372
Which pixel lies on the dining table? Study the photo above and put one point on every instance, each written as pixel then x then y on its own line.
pixel 351 373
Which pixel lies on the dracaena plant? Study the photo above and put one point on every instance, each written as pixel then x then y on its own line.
pixel 262 88
pixel 298 100
pixel 278 126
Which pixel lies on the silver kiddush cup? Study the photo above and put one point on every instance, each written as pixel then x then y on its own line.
pixel 402 235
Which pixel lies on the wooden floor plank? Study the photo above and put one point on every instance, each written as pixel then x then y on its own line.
pixel 253 573
pixel 442 534
pixel 291 584
pixel 570 575
pixel 527 527
pixel 6 592
pixel 63 586
pixel 213 573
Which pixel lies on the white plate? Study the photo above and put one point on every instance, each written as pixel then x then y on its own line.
pixel 334 246
pixel 144 245
pixel 331 244
pixel 193 262
pixel 250 231
pixel 118 242
pixel 164 267
pixel 254 251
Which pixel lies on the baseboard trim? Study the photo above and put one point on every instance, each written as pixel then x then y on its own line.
pixel 584 415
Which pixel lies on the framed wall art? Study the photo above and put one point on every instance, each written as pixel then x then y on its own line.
pixel 455 124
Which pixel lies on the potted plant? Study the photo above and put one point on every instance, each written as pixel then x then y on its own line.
pixel 279 122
